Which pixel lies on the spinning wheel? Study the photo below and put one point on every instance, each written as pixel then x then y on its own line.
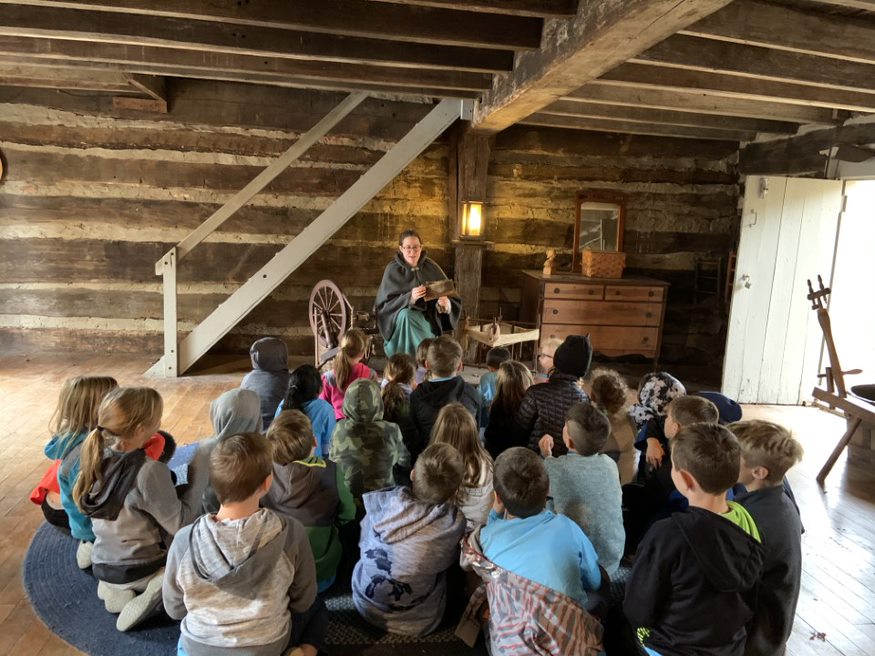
pixel 330 317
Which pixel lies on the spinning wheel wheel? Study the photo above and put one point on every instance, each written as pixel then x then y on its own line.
pixel 330 317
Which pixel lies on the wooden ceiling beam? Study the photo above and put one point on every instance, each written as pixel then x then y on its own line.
pixel 698 54
pixel 602 35
pixel 544 8
pixel 732 86
pixel 174 61
pixel 867 5
pixel 667 116
pixel 756 23
pixel 352 18
pixel 695 101
pixel 600 125
pixel 96 28
pixel 287 81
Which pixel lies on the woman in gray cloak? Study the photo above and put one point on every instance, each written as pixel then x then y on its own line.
pixel 405 316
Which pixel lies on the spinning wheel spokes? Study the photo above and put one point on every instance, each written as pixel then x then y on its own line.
pixel 330 316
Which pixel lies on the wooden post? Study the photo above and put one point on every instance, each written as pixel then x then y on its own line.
pixel 171 356
pixel 469 162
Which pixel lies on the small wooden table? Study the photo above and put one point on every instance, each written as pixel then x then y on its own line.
pixel 856 412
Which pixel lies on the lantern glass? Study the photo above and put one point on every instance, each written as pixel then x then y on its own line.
pixel 472 219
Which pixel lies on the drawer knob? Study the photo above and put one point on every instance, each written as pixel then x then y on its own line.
pixel 556 291
pixel 591 292
pixel 650 293
pixel 555 311
pixel 645 339
pixel 649 314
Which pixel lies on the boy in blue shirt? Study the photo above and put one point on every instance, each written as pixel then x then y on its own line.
pixel 523 537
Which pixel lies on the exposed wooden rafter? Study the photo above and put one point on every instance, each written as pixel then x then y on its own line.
pixel 700 54
pixel 97 28
pixel 696 101
pixel 785 28
pixel 629 127
pixel 545 8
pixel 733 86
pixel 348 18
pixel 602 35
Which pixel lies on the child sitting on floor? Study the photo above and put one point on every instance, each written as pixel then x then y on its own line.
pixel 585 484
pixel 608 391
pixel 74 418
pixel 658 497
pixel 132 503
pixel 348 368
pixel 422 373
pixel 269 377
pixel 399 379
pixel 305 385
pixel 410 538
pixel 523 537
pixel 494 357
pixel 767 452
pixel 310 489
pixel 536 567
pixel 444 386
pixel 366 448
pixel 455 426
pixel 504 430
pixel 693 587
pixel 233 577
pixel 544 406
pixel 655 392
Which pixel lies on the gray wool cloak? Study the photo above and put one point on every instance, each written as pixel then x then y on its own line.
pixel 399 279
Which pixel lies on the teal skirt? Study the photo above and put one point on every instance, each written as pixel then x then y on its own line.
pixel 411 327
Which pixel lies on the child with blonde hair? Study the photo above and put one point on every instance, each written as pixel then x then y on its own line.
pixel 422 372
pixel 348 367
pixel 767 452
pixel 310 489
pixel 504 431
pixel 75 416
pixel 132 503
pixel 608 392
pixel 455 426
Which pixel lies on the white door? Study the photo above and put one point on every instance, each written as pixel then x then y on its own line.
pixel 788 235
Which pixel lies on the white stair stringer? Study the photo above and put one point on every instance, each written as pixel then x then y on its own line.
pixel 229 313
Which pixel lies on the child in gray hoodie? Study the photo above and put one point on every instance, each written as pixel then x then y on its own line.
pixel 243 580
pixel 410 537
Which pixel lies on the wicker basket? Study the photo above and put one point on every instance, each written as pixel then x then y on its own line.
pixel 603 264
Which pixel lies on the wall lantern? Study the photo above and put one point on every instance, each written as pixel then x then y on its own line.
pixel 472 219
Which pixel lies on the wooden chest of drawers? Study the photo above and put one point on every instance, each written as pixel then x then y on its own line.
pixel 622 316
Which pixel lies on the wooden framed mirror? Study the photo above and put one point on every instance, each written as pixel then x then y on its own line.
pixel 598 224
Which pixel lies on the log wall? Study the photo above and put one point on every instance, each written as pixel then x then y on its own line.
pixel 93 197
pixel 682 204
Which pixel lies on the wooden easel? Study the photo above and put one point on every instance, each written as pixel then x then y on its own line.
pixel 835 394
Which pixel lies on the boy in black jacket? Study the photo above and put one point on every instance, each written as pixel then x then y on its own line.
pixel 767 452
pixel 445 386
pixel 693 587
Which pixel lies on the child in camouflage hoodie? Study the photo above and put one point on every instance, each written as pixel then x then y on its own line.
pixel 366 448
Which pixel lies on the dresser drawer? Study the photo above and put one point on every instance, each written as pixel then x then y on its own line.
pixel 625 293
pixel 571 290
pixel 602 313
pixel 607 340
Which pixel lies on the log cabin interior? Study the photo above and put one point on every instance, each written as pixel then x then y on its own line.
pixel 127 124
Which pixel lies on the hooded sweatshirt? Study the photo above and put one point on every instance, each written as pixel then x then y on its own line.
pixel 235 411
pixel 427 400
pixel 269 377
pixel 233 583
pixel 135 513
pixel 406 547
pixel 365 447
pixel 313 492
pixel 693 586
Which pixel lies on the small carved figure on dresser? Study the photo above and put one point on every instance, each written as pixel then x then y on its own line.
pixel 551 259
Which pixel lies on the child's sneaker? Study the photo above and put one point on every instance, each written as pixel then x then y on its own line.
pixel 83 554
pixel 114 598
pixel 143 606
